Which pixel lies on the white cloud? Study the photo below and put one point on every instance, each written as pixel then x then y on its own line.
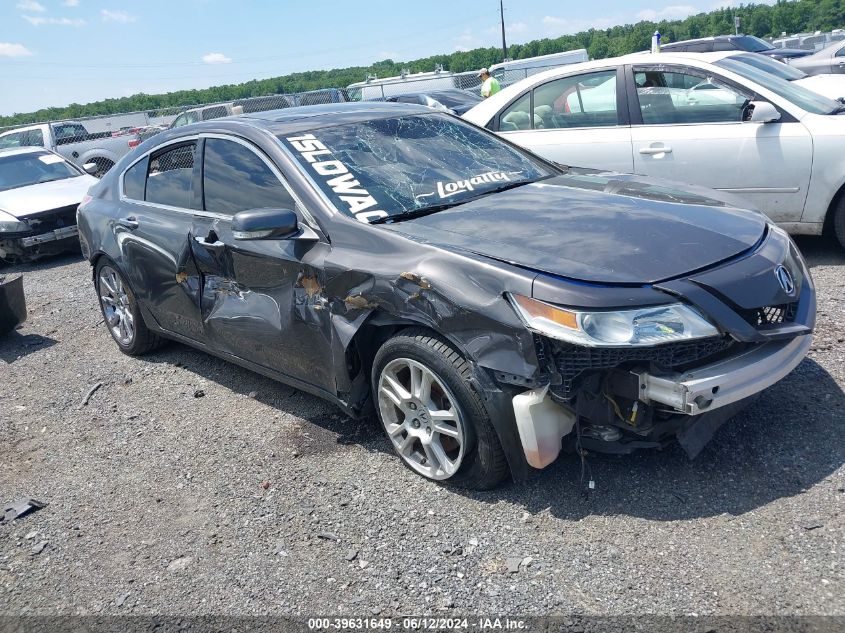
pixel 116 16
pixel 394 55
pixel 7 49
pixel 70 3
pixel 466 41
pixel 671 12
pixel 216 58
pixel 556 26
pixel 38 21
pixel 31 6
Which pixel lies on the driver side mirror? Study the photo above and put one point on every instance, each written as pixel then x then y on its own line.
pixel 760 112
pixel 264 224
pixel 91 168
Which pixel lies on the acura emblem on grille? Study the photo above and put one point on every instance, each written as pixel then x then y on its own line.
pixel 785 280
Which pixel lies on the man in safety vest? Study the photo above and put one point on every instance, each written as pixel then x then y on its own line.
pixel 489 85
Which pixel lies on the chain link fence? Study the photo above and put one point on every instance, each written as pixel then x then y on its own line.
pixel 809 41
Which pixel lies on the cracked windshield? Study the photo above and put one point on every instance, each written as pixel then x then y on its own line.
pixel 384 169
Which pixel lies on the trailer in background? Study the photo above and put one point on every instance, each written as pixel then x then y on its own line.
pixel 512 71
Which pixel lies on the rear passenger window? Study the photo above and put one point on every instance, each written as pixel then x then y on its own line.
pixel 516 116
pixel 235 179
pixel 134 179
pixel 581 101
pixel 170 176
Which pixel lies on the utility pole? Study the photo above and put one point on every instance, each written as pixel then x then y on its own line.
pixel 504 45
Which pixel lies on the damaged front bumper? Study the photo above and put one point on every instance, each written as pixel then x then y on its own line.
pixel 687 406
pixel 31 246
pixel 726 381
pixel 53 236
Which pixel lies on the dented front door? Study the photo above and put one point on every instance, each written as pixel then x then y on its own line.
pixel 261 300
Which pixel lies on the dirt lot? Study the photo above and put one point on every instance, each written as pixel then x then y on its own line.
pixel 156 503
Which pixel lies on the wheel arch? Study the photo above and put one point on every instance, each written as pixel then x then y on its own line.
pixel 381 326
pixel 833 206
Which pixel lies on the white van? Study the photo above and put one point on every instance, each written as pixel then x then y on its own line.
pixel 377 89
pixel 510 72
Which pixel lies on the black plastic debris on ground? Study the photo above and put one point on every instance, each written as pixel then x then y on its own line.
pixel 20 508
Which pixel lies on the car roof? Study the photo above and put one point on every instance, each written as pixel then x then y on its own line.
pixel 297 119
pixel 326 112
pixel 712 38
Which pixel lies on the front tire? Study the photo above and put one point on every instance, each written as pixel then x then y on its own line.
pixel 435 421
pixel 121 313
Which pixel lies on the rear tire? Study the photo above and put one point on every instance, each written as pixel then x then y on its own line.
pixel 839 222
pixel 121 313
pixel 435 421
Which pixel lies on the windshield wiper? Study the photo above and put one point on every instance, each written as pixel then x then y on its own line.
pixel 417 213
pixel 434 208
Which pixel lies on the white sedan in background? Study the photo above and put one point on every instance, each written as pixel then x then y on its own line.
pixel 39 194
pixel 725 124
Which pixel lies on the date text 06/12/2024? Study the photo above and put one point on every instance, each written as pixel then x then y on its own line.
pixel 416 624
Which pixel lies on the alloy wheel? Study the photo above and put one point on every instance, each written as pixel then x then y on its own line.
pixel 117 308
pixel 421 418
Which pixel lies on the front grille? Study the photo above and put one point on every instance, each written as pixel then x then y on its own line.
pixel 771 315
pixel 47 221
pixel 573 360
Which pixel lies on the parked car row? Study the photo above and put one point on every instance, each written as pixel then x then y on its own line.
pixel 492 304
pixel 73 141
pixel 721 43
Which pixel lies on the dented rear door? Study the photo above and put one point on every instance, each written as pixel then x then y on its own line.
pixel 154 229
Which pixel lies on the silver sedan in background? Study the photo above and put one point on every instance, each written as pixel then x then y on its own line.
pixel 830 59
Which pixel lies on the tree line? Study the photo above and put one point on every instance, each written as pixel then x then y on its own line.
pixel 763 20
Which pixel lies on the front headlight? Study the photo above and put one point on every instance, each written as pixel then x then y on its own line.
pixel 619 328
pixel 10 224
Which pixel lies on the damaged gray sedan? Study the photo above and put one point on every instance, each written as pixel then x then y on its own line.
pixel 491 308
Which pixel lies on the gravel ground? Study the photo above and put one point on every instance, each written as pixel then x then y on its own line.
pixel 259 499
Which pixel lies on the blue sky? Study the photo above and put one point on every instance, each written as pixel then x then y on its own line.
pixel 56 52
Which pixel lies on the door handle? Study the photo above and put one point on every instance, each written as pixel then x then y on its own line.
pixel 651 151
pixel 212 246
pixel 129 223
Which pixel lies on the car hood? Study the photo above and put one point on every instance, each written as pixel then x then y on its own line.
pixel 25 201
pixel 831 86
pixel 598 227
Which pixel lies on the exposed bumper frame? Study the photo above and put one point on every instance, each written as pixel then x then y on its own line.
pixel 53 236
pixel 725 382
